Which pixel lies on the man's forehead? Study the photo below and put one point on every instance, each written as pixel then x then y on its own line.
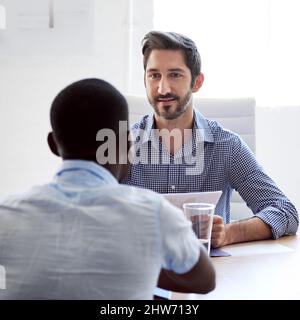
pixel 166 59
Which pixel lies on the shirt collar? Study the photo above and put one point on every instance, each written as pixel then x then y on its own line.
pixel 199 123
pixel 96 170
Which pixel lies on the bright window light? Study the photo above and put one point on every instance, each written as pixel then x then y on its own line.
pixel 248 48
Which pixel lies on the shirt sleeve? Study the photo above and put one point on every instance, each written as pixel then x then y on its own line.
pixel 260 192
pixel 180 247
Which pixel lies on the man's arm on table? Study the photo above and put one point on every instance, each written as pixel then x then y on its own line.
pixel 275 215
pixel 239 231
pixel 200 279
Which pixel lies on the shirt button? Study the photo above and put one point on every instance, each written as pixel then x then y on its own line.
pixel 173 187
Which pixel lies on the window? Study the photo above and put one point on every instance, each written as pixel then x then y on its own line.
pixel 248 48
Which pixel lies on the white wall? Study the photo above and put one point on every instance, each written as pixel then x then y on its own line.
pixel 142 23
pixel 278 147
pixel 29 83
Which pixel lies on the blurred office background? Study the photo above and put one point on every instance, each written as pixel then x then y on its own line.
pixel 249 48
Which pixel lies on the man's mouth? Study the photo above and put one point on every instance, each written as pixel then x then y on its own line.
pixel 166 99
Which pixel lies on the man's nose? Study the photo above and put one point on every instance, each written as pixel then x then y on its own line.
pixel 163 87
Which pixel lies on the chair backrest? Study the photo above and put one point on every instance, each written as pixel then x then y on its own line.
pixel 237 115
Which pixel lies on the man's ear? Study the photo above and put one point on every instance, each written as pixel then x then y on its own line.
pixel 52 144
pixel 198 82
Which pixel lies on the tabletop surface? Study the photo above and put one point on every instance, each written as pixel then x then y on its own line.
pixel 256 270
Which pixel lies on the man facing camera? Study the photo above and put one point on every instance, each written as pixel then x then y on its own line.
pixel 200 155
pixel 84 236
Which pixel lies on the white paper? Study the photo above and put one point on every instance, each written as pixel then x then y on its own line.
pixel 178 199
pixel 256 248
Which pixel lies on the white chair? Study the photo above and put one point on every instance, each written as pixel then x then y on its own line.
pixel 237 115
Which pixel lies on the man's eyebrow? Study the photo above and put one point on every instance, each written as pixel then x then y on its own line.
pixel 176 70
pixel 152 70
pixel 169 70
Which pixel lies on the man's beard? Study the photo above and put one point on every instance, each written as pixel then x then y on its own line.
pixel 182 105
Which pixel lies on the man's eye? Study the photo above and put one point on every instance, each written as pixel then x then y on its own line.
pixel 175 75
pixel 154 76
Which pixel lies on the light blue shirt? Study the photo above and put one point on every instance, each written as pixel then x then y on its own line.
pixel 84 236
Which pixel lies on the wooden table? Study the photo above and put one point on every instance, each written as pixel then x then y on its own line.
pixel 258 270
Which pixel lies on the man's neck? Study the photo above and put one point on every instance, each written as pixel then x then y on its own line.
pixel 181 135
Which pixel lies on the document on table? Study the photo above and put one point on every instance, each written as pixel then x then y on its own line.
pixel 178 199
pixel 256 248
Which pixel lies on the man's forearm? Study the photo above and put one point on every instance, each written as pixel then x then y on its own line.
pixel 200 279
pixel 247 230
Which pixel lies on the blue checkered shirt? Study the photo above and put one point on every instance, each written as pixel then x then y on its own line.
pixel 228 164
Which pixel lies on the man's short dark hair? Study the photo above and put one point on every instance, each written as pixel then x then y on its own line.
pixel 82 109
pixel 173 41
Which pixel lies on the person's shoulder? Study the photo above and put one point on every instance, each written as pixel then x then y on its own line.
pixel 221 134
pixel 16 200
pixel 139 196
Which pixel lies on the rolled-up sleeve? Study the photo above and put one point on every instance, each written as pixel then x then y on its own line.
pixel 260 192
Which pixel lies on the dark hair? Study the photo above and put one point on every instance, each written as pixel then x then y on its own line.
pixel 173 41
pixel 82 109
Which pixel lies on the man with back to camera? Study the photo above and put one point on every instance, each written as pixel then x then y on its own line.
pixel 172 73
pixel 84 236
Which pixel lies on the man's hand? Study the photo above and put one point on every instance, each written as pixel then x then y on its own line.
pixel 239 231
pixel 218 234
